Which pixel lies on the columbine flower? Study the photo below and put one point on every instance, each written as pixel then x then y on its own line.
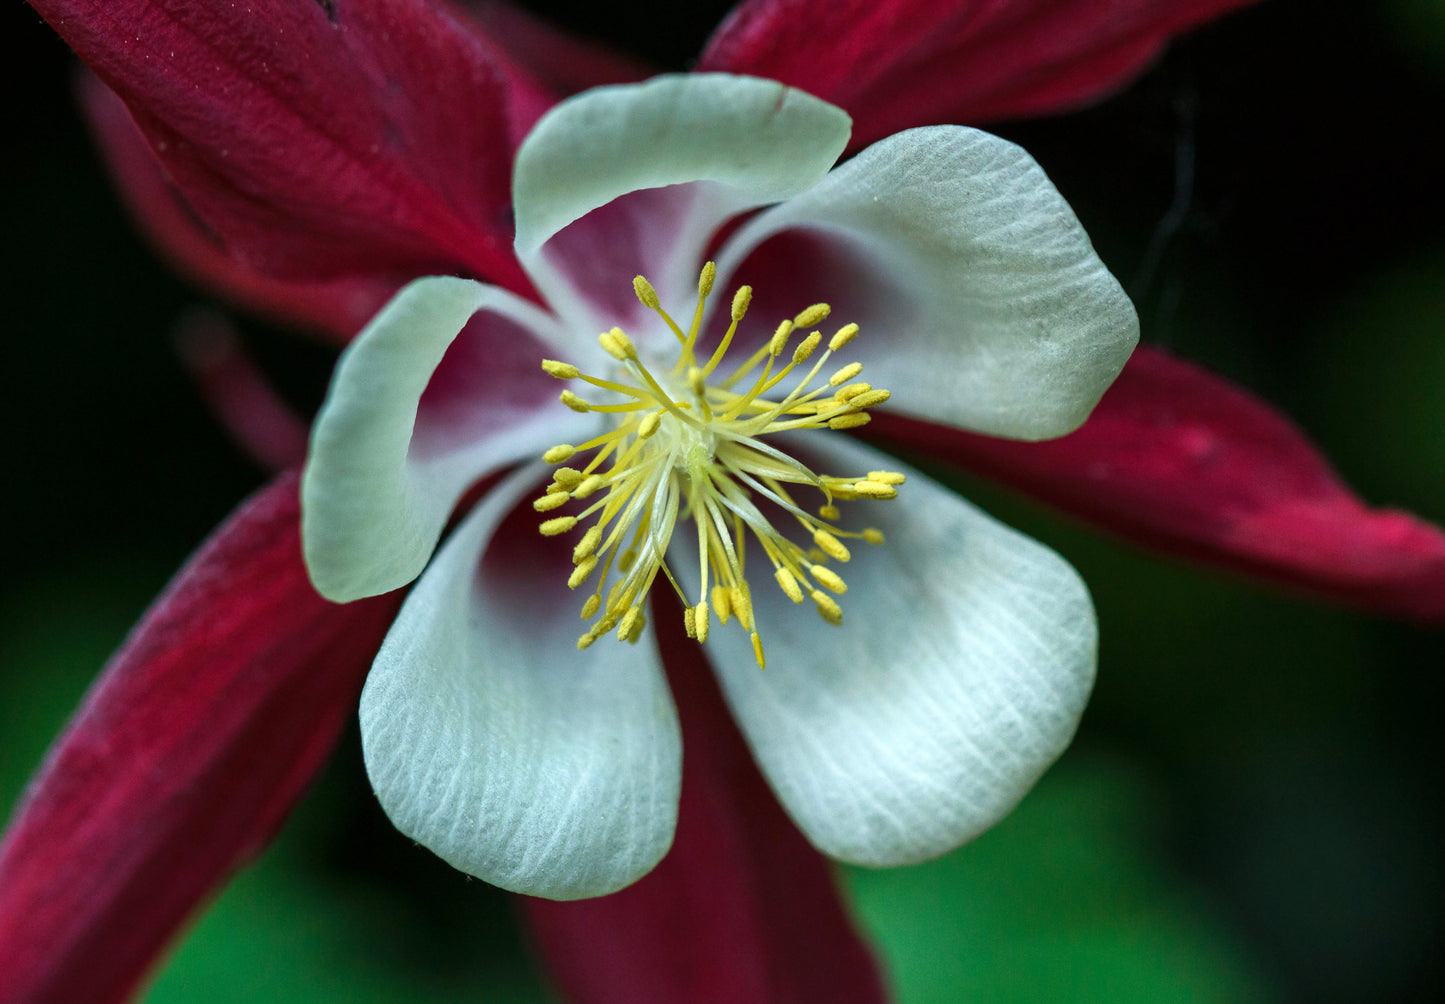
pixel 550 765
pixel 306 159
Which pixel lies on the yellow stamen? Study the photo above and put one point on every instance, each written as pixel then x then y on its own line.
pixel 682 446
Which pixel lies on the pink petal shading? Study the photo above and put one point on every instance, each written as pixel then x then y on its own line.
pixel 182 761
pixel 335 308
pixel 1183 461
pixel 322 138
pixel 741 909
pixel 893 64
pixel 563 62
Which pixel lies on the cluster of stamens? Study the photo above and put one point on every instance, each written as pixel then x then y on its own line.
pixel 682 444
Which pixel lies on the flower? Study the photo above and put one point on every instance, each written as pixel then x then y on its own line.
pixel 968 650
pixel 307 159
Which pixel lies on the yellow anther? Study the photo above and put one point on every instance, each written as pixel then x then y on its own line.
pixel 617 345
pixel 873 535
pixel 845 374
pixel 845 335
pixel 562 371
pixel 587 486
pixel 758 651
pixel 567 477
pixel 869 398
pixel 557 454
pixel 830 545
pixel 574 402
pixel 875 490
pixel 590 607
pixel 788 583
pixel 830 512
pixel 560 524
pixel 780 338
pixel 587 544
pixel 547 503
pixel 649 424
pixel 829 579
pixel 850 421
pixel 624 628
pixel 645 292
pixel 887 477
pixel 585 642
pixel 687 622
pixel 805 347
pixel 832 613
pixel 638 626
pixel 706 279
pixel 696 383
pixel 722 603
pixel 851 391
pixel 580 573
pixel 700 621
pixel 741 299
pixel 742 607
pixel 812 315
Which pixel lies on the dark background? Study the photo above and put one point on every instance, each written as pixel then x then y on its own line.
pixel 1252 810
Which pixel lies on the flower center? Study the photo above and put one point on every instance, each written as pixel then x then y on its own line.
pixel 686 444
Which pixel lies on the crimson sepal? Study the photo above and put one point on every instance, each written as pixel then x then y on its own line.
pixel 182 761
pixel 1180 460
pixel 742 908
pixel 325 138
pixel 336 309
pixel 894 64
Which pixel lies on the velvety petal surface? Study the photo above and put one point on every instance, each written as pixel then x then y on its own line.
pixel 981 300
pixel 183 759
pixel 1183 461
pixel 958 676
pixel 893 64
pixel 492 741
pixel 320 139
pixel 333 308
pixel 402 435
pixel 741 908
pixel 715 144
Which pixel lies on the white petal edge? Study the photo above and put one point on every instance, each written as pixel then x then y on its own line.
pixel 492 741
pixel 753 141
pixel 370 514
pixel 985 305
pixel 959 674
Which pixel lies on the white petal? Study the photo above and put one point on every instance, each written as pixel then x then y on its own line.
pixel 385 469
pixel 981 301
pixel 491 740
pixel 960 671
pixel 732 143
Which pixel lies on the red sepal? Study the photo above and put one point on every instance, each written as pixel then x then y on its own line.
pixel 893 64
pixel 335 308
pixel 741 909
pixel 1180 460
pixel 182 761
pixel 325 138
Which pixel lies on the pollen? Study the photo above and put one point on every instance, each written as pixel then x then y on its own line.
pixel 684 453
